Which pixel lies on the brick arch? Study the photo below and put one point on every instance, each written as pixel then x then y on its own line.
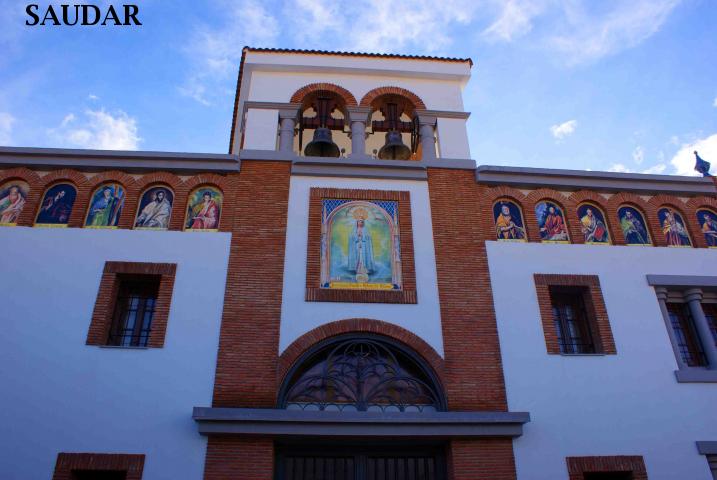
pixel 124 179
pixel 206 179
pixel 33 181
pixel 630 199
pixel 301 93
pixel 666 201
pixel 549 195
pixel 175 184
pixel 511 194
pixel 359 325
pixel 695 204
pixel 587 196
pixel 64 175
pixel 372 95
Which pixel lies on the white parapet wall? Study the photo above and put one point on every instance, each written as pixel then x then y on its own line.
pixel 60 395
pixel 624 404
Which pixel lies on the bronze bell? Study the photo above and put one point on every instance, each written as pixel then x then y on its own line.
pixel 322 145
pixel 394 149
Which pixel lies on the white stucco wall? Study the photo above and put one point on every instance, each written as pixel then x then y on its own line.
pixel 261 129
pixel 299 316
pixel 624 404
pixel 60 395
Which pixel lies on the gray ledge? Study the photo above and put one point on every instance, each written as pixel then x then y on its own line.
pixel 358 167
pixel 277 422
pixel 696 375
pixel 607 181
pixel 93 160
pixel 275 155
pixel 707 448
pixel 682 281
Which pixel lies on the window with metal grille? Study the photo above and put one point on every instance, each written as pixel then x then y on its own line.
pixel 687 340
pixel 134 309
pixel 710 310
pixel 573 325
pixel 608 476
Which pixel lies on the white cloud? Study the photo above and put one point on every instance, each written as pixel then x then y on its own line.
pixel 621 168
pixel 655 169
pixel 564 129
pixel 98 129
pixel 379 25
pixel 638 155
pixel 587 37
pixel 6 123
pixel 684 159
pixel 515 20
pixel 92 97
pixel 215 53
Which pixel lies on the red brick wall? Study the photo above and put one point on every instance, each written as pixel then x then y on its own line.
pixel 233 458
pixel 473 366
pixel 249 335
pixel 578 466
pixel 485 459
pixel 67 462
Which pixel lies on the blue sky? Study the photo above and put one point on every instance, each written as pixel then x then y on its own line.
pixel 621 85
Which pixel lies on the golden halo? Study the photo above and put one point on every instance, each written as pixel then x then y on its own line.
pixel 359 213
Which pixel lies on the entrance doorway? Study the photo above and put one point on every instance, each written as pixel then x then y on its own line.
pixel 323 462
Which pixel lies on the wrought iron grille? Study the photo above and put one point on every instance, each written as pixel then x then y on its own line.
pixel 688 343
pixel 132 323
pixel 572 323
pixel 362 375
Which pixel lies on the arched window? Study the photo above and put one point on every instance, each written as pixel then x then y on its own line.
pixel 361 373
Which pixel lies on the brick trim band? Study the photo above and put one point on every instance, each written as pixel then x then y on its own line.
pixel 301 93
pixel 107 295
pixel 314 293
pixel 132 465
pixel 372 95
pixel 594 304
pixel 358 325
pixel 579 466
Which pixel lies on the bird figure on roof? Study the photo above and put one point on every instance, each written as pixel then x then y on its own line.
pixel 702 166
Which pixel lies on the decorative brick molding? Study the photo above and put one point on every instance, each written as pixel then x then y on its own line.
pixel 473 366
pixel 67 463
pixel 368 99
pixel 301 93
pixel 107 294
pixel 249 334
pixel 314 293
pixel 486 458
pixel 233 458
pixel 594 304
pixel 357 325
pixel 579 466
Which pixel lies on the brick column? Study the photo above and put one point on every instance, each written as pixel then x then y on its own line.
pixel 246 362
pixel 485 459
pixel 233 458
pixel 474 371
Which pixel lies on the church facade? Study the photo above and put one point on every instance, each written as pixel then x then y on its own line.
pixel 346 294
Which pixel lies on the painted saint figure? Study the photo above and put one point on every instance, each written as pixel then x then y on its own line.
pixel 360 258
pixel 592 225
pixel 673 228
pixel 57 205
pixel 632 226
pixel 204 215
pixel 551 223
pixel 709 226
pixel 507 225
pixel 156 212
pixel 12 201
pixel 106 206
